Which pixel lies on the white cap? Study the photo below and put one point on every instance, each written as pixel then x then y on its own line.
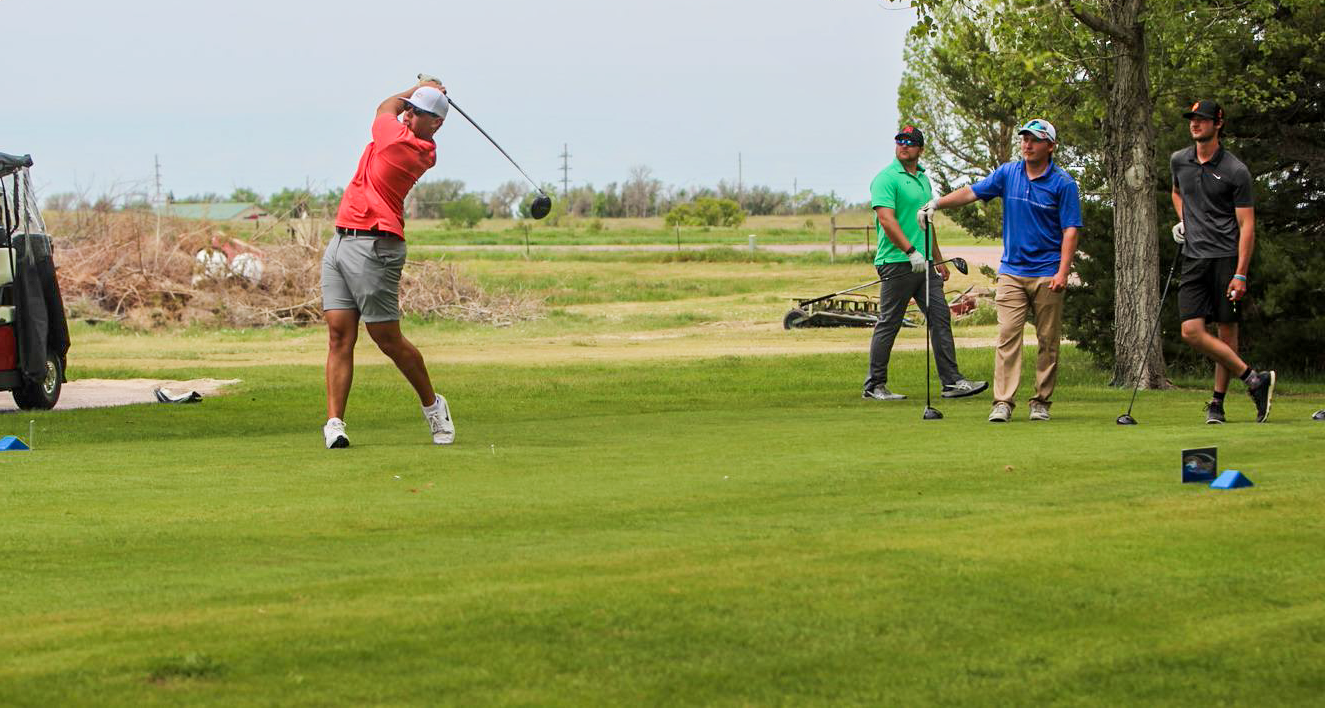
pixel 1041 129
pixel 430 99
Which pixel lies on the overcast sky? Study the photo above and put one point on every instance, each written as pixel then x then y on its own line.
pixel 278 93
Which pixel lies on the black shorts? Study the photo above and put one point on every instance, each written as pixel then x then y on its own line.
pixel 1204 290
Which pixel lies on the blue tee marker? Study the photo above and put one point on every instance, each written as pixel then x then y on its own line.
pixel 1230 479
pixel 9 442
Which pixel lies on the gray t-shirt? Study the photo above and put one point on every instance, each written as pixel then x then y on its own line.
pixel 1210 194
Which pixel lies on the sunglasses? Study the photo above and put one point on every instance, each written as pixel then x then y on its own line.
pixel 419 111
pixel 909 142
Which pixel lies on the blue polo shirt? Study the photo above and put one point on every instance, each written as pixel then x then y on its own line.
pixel 1035 212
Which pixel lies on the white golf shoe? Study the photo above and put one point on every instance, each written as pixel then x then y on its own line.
pixel 438 416
pixel 334 433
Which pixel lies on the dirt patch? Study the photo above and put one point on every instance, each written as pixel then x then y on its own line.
pixel 100 393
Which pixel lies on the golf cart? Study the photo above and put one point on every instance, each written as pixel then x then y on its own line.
pixel 34 336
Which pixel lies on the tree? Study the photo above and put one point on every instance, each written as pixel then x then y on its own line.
pixel 761 200
pixel 291 203
pixel 425 200
pixel 1097 56
pixel 1118 74
pixel 465 212
pixel 63 201
pixel 640 193
pixel 244 194
pixel 504 198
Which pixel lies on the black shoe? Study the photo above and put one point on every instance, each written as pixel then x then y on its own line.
pixel 1214 413
pixel 963 387
pixel 1318 415
pixel 1260 386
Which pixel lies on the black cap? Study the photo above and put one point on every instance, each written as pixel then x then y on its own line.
pixel 1205 108
pixel 912 133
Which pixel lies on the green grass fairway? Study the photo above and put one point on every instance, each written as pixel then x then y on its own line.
pixel 731 531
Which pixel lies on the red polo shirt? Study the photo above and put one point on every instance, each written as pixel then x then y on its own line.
pixel 388 169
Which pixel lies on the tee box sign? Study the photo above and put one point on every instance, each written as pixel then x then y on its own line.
pixel 1199 464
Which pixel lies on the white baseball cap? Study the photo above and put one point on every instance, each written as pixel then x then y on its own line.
pixel 430 99
pixel 1041 129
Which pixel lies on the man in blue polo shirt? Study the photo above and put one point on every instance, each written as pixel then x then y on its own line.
pixel 1041 216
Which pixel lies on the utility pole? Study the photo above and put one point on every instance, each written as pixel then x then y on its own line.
pixel 156 196
pixel 565 172
pixel 157 201
pixel 740 181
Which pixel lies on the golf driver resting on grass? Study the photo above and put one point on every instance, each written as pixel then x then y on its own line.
pixel 362 264
pixel 896 194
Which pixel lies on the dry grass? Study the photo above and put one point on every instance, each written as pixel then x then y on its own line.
pixel 142 271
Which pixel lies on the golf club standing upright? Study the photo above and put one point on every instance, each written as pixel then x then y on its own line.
pixel 1126 418
pixel 542 204
pixel 930 413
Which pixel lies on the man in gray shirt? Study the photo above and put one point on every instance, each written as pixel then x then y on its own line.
pixel 1216 233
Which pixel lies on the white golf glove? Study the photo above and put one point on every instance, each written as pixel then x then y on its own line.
pixel 926 213
pixel 1179 233
pixel 917 261
pixel 425 78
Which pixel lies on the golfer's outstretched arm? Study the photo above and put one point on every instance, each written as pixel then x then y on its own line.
pixel 959 198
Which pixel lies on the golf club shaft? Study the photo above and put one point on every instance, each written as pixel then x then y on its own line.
pixel 494 144
pixel 1159 317
pixel 929 301
pixel 861 287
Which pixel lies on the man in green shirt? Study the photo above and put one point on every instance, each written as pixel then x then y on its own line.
pixel 896 194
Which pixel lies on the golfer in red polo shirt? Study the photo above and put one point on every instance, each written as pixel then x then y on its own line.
pixel 362 264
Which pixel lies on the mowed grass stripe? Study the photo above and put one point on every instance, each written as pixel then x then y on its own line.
pixel 727 531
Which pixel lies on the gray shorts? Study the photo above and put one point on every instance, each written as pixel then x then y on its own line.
pixel 363 273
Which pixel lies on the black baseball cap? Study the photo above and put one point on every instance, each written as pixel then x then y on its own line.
pixel 1205 108
pixel 911 133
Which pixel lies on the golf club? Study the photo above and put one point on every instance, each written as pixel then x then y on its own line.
pixel 930 413
pixel 542 203
pixel 958 263
pixel 1126 418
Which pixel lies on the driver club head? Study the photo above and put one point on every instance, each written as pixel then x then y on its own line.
pixel 960 265
pixel 1318 415
pixel 932 414
pixel 1126 419
pixel 541 206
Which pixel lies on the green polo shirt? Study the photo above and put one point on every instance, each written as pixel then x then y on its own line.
pixel 897 189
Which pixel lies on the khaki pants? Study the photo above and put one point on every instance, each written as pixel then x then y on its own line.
pixel 1014 298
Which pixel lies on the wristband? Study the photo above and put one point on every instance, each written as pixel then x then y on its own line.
pixel 1240 276
pixel 912 249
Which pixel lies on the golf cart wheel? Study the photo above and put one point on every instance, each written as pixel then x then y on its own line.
pixel 794 318
pixel 43 394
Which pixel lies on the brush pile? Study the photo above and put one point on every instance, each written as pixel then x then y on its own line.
pixel 148 273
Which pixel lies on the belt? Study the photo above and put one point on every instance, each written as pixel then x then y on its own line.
pixel 364 232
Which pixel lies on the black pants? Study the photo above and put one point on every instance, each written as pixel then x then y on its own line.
pixel 894 295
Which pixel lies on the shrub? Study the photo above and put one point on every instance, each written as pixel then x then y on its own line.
pixel 706 211
pixel 465 212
